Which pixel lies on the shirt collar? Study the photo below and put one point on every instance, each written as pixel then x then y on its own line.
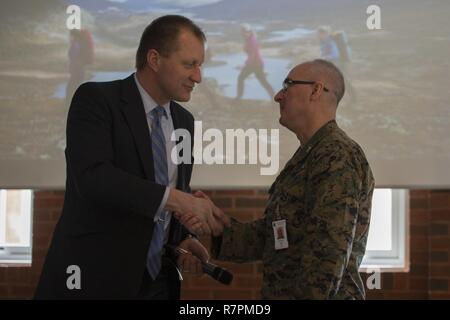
pixel 149 103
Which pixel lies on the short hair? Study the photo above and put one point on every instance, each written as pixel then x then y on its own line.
pixel 162 35
pixel 332 73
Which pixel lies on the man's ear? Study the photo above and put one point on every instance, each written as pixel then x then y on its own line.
pixel 317 91
pixel 153 59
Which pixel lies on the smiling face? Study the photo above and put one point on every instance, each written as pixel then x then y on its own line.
pixel 179 72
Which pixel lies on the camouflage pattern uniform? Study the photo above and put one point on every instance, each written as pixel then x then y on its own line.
pixel 324 192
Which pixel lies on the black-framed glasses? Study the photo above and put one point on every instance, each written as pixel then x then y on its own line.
pixel 289 82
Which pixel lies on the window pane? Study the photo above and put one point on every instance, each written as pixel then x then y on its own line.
pixel 380 232
pixel 16 217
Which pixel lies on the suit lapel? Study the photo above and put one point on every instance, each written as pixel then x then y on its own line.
pixel 134 112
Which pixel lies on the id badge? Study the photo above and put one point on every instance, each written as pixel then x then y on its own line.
pixel 280 234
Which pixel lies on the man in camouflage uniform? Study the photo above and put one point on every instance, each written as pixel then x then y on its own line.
pixel 323 193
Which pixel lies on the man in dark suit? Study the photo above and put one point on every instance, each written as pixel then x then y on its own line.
pixel 122 187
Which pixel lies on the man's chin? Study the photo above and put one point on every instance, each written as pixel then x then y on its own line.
pixel 184 98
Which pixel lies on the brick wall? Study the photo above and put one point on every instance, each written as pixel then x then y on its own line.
pixel 428 278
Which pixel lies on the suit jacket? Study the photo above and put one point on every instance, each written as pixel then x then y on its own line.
pixel 111 198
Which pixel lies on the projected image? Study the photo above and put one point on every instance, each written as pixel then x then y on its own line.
pixel 396 103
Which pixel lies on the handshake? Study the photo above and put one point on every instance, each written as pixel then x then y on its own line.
pixel 197 212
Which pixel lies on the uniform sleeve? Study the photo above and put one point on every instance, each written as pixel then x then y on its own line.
pixel 332 202
pixel 242 242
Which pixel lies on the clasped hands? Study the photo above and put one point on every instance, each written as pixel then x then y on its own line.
pixel 197 213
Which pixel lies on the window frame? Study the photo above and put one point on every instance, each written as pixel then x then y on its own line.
pixel 396 259
pixel 16 254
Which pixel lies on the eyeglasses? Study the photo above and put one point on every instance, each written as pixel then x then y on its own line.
pixel 289 82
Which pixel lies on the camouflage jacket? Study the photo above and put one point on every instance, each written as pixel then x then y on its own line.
pixel 324 192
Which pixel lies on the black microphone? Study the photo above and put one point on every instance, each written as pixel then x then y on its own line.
pixel 216 272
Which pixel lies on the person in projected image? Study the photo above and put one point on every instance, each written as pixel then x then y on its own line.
pixel 313 234
pixel 334 46
pixel 254 63
pixel 80 54
pixel 122 189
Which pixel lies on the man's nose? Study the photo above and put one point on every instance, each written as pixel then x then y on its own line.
pixel 279 96
pixel 197 75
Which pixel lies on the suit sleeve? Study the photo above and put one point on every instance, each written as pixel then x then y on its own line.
pixel 90 159
pixel 333 192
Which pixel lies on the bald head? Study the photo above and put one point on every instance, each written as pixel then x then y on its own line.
pixel 329 74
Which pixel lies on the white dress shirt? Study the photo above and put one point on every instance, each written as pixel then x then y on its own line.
pixel 167 128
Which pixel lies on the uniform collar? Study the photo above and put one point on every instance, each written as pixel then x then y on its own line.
pixel 324 131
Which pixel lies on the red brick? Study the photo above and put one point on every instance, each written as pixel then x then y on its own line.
pixel 419 230
pixel 264 192
pixel 240 268
pixel 48 203
pixel 419 257
pixel 248 281
pixel 419 217
pixel 43 228
pixel 439 271
pixel 439 257
pixel 419 243
pixel 419 284
pixel 196 294
pixel 406 295
pixel 35 276
pixel 20 275
pixel 242 215
pixel 222 202
pixel 440 215
pixel 235 192
pixel 439 200
pixel 438 285
pixel 401 281
pixel 250 202
pixel 234 295
pixel 41 241
pixel 40 251
pixel 439 229
pixel 418 193
pixel 37 263
pixel 419 270
pixel 204 282
pixel 419 203
pixel 440 243
pixel 56 214
pixel 4 291
pixel 374 295
pixel 439 296
pixel 22 291
pixel 42 215
pixel 2 275
pixel 49 194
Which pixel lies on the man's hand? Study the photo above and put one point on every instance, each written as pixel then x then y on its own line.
pixel 192 261
pixel 196 214
pixel 217 212
pixel 215 222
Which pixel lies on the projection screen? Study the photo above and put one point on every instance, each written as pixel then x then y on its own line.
pixel 396 105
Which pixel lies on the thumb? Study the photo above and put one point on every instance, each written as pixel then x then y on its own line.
pixel 200 194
